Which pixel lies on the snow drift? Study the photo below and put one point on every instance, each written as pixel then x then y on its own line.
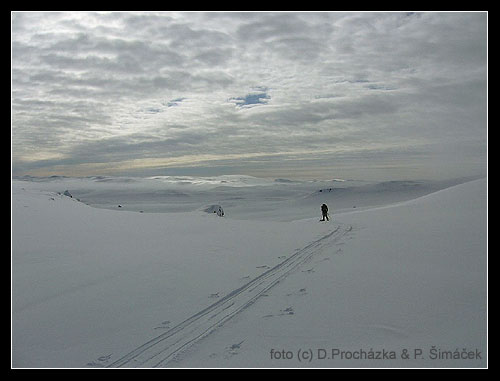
pixel 91 287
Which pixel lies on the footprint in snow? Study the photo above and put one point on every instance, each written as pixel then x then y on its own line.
pixel 286 311
pixel 164 325
pixel 323 259
pixel 100 362
pixel 301 292
pixel 232 350
pixel 236 346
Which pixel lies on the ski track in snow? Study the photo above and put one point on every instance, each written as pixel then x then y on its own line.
pixel 160 350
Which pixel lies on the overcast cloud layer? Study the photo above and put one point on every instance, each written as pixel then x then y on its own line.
pixel 393 95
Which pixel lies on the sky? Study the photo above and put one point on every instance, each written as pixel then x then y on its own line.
pixel 397 95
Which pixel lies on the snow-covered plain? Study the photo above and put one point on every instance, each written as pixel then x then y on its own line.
pixel 134 272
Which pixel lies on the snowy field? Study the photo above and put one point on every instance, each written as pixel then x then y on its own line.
pixel 131 272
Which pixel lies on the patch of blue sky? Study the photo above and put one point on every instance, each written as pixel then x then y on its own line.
pixel 251 100
pixel 175 102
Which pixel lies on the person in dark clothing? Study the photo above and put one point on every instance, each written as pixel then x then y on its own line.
pixel 324 212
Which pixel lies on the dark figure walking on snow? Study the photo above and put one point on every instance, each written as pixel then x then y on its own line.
pixel 324 212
